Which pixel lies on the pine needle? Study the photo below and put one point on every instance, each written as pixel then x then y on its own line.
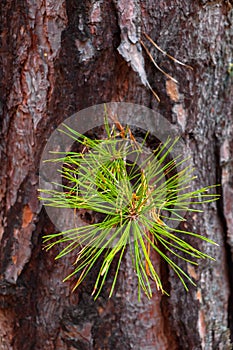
pixel 138 204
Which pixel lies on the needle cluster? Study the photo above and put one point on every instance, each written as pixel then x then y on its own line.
pixel 137 197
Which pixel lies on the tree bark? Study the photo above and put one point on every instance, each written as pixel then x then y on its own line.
pixel 58 57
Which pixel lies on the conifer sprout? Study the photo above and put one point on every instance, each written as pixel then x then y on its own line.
pixel 137 194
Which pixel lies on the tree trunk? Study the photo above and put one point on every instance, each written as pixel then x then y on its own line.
pixel 58 57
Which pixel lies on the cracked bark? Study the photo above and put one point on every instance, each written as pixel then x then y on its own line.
pixel 60 57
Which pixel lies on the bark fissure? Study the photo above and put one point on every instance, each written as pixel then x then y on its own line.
pixel 228 248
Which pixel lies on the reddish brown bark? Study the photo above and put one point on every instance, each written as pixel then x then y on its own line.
pixel 58 58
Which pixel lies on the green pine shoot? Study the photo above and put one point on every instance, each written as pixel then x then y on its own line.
pixel 138 203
